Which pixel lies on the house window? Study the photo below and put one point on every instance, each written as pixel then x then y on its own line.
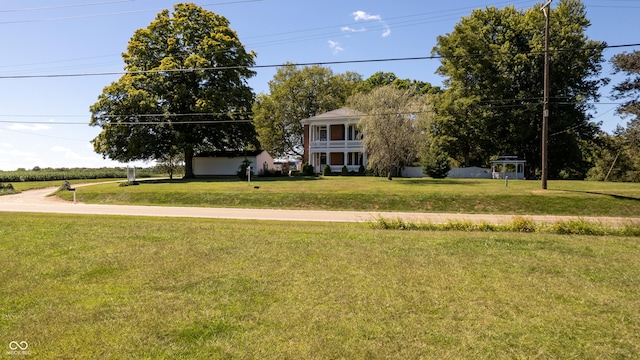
pixel 337 158
pixel 337 132
pixel 323 133
pixel 353 133
pixel 323 158
pixel 354 158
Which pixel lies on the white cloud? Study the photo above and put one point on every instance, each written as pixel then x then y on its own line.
pixel 387 31
pixel 352 30
pixel 361 15
pixel 364 16
pixel 30 127
pixel 335 46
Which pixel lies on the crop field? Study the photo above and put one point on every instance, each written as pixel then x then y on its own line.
pixel 90 287
pixel 580 198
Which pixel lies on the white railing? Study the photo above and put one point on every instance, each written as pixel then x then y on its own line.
pixel 337 169
pixel 337 144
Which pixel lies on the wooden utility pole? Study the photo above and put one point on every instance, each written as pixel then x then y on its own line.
pixel 546 8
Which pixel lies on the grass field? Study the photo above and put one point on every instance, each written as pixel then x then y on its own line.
pixel 581 198
pixel 125 287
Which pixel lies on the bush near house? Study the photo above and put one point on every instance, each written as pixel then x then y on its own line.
pixel 326 170
pixel 307 170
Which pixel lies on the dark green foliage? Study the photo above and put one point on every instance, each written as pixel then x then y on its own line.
pixel 362 170
pixel 6 188
pixel 242 169
pixel 345 171
pixel 297 93
pixel 326 170
pixel 437 165
pixel 186 111
pixel 493 61
pixel 307 170
pixel 66 186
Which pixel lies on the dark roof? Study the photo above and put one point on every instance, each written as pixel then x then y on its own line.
pixel 229 153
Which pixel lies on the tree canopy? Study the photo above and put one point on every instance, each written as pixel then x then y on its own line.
pixel 297 93
pixel 393 123
pixel 382 78
pixel 618 155
pixel 492 103
pixel 185 88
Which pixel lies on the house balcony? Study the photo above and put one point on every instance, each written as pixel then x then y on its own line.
pixel 338 168
pixel 336 144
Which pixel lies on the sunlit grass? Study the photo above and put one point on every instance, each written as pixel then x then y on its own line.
pixel 115 287
pixel 580 198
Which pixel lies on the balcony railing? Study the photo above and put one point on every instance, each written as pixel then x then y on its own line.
pixel 337 144
pixel 338 168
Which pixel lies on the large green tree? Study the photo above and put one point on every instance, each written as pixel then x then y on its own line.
pixel 185 88
pixel 493 63
pixel 618 156
pixel 297 93
pixel 393 125
pixel 382 78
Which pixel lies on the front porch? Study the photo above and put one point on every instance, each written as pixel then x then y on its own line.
pixel 337 160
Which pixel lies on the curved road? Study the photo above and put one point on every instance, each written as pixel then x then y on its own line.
pixel 38 201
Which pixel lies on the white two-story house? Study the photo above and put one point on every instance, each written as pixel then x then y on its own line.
pixel 333 139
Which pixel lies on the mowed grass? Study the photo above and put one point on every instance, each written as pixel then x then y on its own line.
pixel 581 198
pixel 90 287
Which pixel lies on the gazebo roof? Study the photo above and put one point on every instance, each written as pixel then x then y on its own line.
pixel 508 159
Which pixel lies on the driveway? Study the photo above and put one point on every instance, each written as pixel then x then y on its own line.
pixel 38 201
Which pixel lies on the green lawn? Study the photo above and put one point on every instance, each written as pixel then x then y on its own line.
pixel 91 287
pixel 582 198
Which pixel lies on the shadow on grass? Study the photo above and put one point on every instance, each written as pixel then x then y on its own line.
pixel 615 196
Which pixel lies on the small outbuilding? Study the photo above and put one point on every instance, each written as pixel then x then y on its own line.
pixel 508 166
pixel 227 163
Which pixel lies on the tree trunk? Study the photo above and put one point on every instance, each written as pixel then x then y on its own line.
pixel 188 163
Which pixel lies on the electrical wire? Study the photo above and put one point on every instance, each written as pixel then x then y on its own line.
pixel 64 6
pixel 319 63
pixel 113 13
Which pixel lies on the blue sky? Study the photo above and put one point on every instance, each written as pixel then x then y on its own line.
pixel 43 120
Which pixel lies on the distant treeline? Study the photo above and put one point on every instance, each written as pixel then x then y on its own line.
pixel 49 174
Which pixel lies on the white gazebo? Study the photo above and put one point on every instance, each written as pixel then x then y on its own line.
pixel 508 166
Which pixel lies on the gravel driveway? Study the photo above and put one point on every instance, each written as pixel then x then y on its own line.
pixel 37 201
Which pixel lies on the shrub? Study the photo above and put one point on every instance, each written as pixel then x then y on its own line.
pixel 437 165
pixel 521 224
pixel 66 186
pixel 242 169
pixel 362 170
pixel 307 170
pixel 345 171
pixel 326 170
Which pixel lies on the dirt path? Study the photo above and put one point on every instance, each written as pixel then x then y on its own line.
pixel 37 201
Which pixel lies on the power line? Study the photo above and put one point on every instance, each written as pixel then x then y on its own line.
pixel 63 6
pixel 113 13
pixel 318 63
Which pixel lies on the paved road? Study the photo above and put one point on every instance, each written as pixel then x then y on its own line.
pixel 37 201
